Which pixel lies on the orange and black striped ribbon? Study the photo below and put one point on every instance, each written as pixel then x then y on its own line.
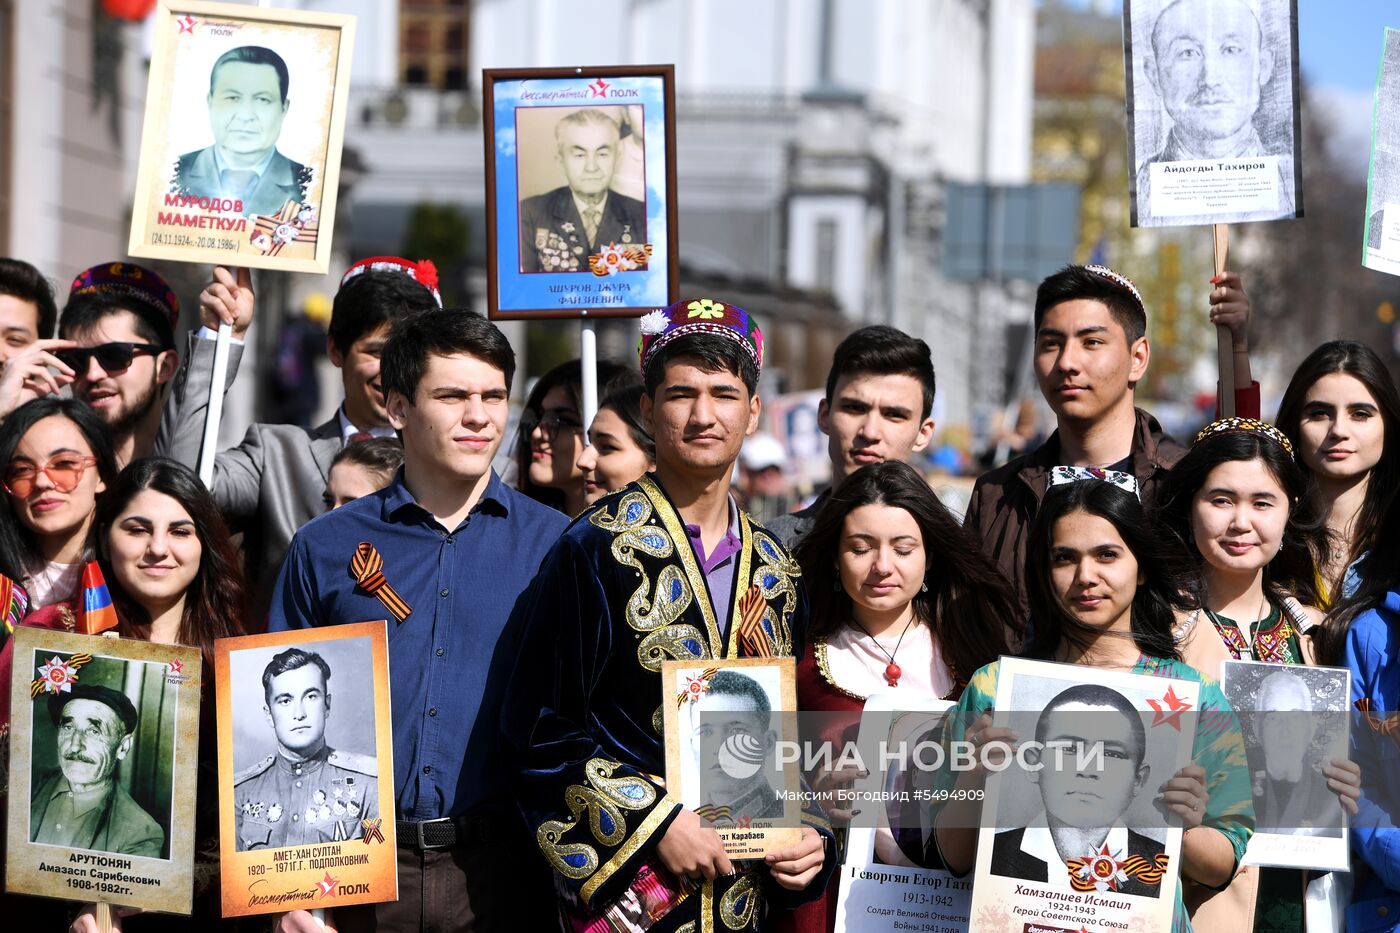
pixel 1148 872
pixel 753 640
pixel 1383 725
pixel 367 568
pixel 372 830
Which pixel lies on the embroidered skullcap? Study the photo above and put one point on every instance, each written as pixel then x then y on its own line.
pixel 423 271
pixel 1246 426
pixel 1122 281
pixel 130 281
pixel 699 316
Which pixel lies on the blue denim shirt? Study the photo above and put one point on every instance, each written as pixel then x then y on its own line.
pixel 447 659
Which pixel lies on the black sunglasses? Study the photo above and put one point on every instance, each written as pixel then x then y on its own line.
pixel 112 357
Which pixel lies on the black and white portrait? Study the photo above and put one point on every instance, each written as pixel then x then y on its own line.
pixel 1076 819
pixel 1295 721
pixel 909 783
pixel 102 755
pixel 304 747
pixel 582 184
pixel 732 733
pixel 1382 251
pixel 1213 129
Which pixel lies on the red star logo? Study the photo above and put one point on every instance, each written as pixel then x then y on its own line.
pixel 177 666
pixel 745 822
pixel 187 24
pixel 1168 709
pixel 327 885
pixel 599 88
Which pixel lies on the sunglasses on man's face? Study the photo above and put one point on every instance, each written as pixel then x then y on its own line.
pixel 111 357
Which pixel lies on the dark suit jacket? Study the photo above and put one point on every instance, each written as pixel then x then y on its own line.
pixel 196 174
pixel 554 239
pixel 1009 861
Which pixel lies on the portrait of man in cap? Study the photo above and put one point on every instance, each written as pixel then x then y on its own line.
pixel 248 88
pixel 82 804
pixel 305 792
pixel 1208 64
pixel 561 228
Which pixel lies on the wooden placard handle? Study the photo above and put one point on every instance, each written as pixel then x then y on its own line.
pixel 103 916
pixel 1224 347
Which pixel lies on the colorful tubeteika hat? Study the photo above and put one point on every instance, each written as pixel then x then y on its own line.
pixel 1122 281
pixel 423 271
pixel 699 316
pixel 1246 426
pixel 131 281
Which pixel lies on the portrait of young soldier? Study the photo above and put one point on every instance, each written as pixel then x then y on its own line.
pixel 248 102
pixel 305 792
pixel 1086 797
pixel 82 803
pixel 560 229
pixel 733 740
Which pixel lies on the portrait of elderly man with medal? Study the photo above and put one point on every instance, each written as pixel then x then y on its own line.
pixel 562 228
pixel 305 792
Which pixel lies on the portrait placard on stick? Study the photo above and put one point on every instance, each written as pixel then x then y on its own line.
pixel 1295 720
pixel 240 148
pixel 893 878
pixel 103 764
pixel 306 776
pixel 1076 842
pixel 723 722
pixel 1382 244
pixel 1213 113
pixel 580 191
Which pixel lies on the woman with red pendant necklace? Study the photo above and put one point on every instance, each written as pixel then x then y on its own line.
pixel 903 599
pixel 1239 501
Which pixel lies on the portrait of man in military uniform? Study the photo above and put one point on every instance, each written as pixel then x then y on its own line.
pixel 81 803
pixel 733 741
pixel 562 228
pixel 304 792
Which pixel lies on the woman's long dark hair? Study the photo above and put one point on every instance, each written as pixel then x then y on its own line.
pixel 1360 362
pixel 968 603
pixel 1292 571
pixel 216 601
pixel 1170 582
pixel 1379 574
pixel 18 549
pixel 570 376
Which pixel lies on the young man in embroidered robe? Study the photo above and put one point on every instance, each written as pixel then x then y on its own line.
pixel 666 568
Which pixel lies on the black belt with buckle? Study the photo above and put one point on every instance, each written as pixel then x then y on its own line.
pixel 444 833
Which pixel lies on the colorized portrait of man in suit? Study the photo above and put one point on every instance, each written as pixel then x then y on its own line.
pixel 82 804
pixel 247 104
pixel 560 229
pixel 1082 843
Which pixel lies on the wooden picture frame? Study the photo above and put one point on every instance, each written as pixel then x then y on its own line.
pixel 306 818
pixel 617 126
pixel 195 199
pixel 134 739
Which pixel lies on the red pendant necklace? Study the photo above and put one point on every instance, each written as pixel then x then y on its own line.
pixel 892 670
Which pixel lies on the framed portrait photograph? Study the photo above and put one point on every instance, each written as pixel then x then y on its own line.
pixel 1214 127
pixel 1381 250
pixel 893 876
pixel 241 143
pixel 1295 719
pixel 306 789
pixel 580 191
pixel 1079 842
pixel 723 721
pixel 103 764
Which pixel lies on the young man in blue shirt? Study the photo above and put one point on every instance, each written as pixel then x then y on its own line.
pixel 458 547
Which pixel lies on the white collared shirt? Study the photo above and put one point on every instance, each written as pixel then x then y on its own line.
pixel 348 430
pixel 1038 843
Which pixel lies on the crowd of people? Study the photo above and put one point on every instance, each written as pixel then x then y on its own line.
pixel 529 623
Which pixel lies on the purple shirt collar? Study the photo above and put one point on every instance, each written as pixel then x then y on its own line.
pixel 727 547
